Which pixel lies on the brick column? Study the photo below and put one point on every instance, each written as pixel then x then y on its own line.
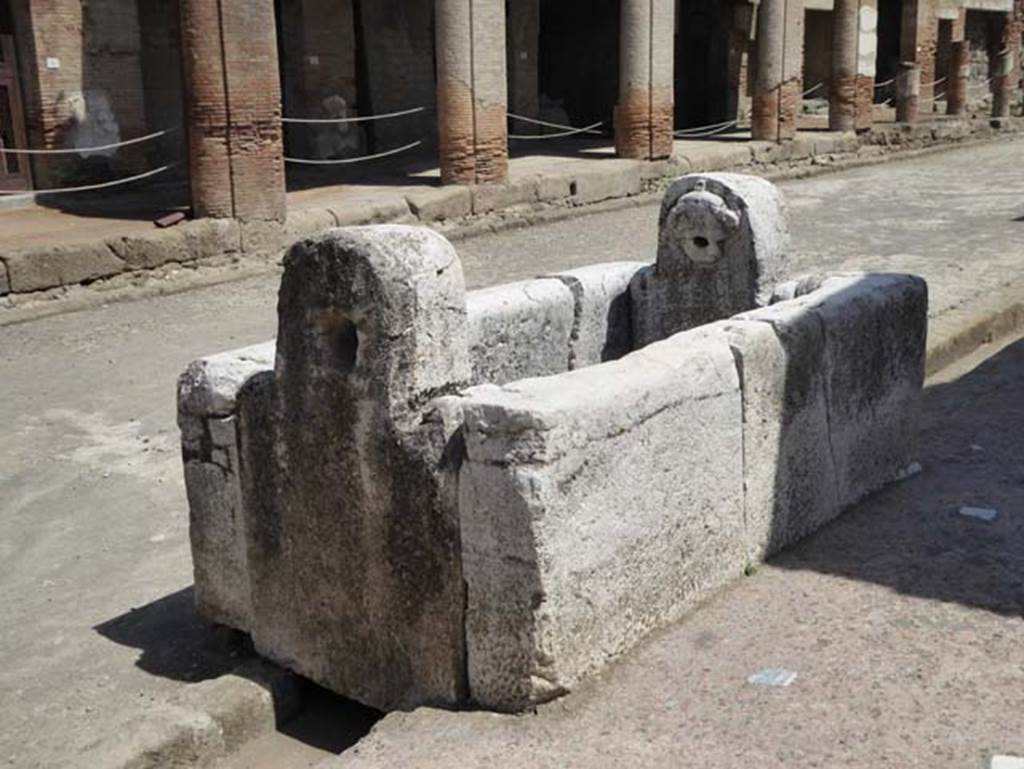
pixel 778 77
pixel 959 77
pixel 919 32
pixel 645 113
pixel 472 92
pixel 867 52
pixel 1003 67
pixel 842 106
pixel 908 92
pixel 233 103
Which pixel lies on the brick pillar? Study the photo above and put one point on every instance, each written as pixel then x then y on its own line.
pixel 959 77
pixel 842 106
pixel 1003 67
pixel 778 78
pixel 233 103
pixel 908 92
pixel 472 92
pixel 919 32
pixel 867 52
pixel 645 113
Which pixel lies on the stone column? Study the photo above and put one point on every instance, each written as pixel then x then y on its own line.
pixel 644 115
pixel 472 91
pixel 233 103
pixel 867 52
pixel 958 78
pixel 908 92
pixel 778 79
pixel 1003 68
pixel 842 105
pixel 919 31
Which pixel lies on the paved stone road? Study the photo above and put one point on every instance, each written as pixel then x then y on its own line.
pixel 97 629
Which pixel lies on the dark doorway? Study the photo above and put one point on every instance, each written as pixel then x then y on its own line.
pixel 14 170
pixel 709 39
pixel 579 61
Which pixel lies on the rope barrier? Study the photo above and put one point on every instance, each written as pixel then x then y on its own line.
pixel 349 161
pixel 982 84
pixel 705 134
pixel 546 124
pixel 78 150
pixel 571 132
pixel 702 128
pixel 811 90
pixel 884 83
pixel 934 82
pixel 361 119
pixel 87 187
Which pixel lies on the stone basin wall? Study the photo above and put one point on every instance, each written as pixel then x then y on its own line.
pixel 426 496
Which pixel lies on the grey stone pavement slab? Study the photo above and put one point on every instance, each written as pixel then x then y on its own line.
pixel 98 639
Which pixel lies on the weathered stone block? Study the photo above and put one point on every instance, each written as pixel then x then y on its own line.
pixel 876 328
pixel 602 326
pixel 722 241
pixel 61 265
pixel 5 283
pixel 451 202
pixel 361 212
pixel 831 385
pixel 353 536
pixel 610 179
pixel 307 222
pixel 519 330
pixel 494 197
pixel 207 396
pixel 596 506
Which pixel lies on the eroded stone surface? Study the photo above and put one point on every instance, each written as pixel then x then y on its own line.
pixel 353 540
pixel 721 248
pixel 596 506
pixel 519 330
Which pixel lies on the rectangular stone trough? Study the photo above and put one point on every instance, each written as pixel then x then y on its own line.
pixel 423 496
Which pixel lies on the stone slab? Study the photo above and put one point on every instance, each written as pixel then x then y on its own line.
pixel 596 506
pixel 351 527
pixel 519 330
pixel 207 395
pixel 440 203
pixel 494 197
pixel 61 265
pixel 617 178
pixel 5 283
pixel 602 326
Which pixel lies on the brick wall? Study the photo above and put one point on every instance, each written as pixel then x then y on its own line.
pixel 82 84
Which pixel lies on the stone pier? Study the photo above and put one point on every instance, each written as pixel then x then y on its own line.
pixel 233 106
pixel 472 91
pixel 779 65
pixel 644 115
pixel 908 92
pixel 1004 66
pixel 867 53
pixel 958 78
pixel 919 29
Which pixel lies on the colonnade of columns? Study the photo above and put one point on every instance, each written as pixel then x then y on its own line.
pixel 233 90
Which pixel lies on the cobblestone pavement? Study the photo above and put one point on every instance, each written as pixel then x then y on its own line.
pixel 99 638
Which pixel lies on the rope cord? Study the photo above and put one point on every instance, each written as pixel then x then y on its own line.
pixel 702 128
pixel 884 83
pixel 811 90
pixel 349 161
pixel 571 132
pixel 712 132
pixel 79 150
pixel 361 119
pixel 546 124
pixel 87 187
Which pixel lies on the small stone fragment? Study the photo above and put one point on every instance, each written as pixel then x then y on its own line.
pixel 1006 762
pixel 779 677
pixel 986 514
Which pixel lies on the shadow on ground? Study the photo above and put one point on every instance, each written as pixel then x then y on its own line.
pixel 911 537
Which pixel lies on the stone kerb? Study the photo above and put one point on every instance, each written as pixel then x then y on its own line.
pixel 596 506
pixel 722 241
